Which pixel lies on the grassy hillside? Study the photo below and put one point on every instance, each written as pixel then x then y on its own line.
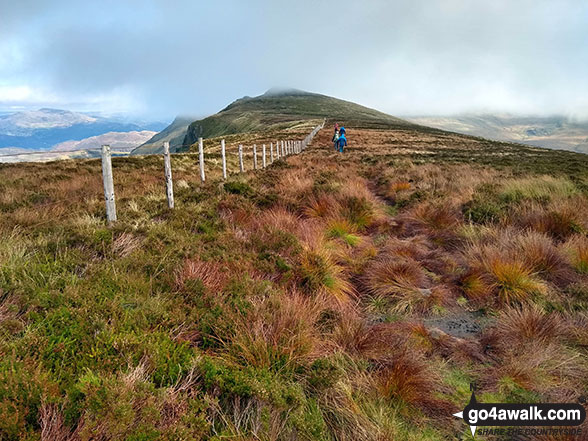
pixel 328 297
pixel 174 134
pixel 276 110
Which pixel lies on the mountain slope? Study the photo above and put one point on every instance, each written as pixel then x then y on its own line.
pixel 174 134
pixel 554 132
pixel 277 110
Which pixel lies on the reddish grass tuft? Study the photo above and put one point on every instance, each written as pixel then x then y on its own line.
pixel 212 274
pixel 323 206
pixel 394 277
pixel 277 333
pixel 576 248
pixel 523 325
pixel 542 257
pixel 513 282
pixel 320 274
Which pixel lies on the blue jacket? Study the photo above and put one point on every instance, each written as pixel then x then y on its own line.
pixel 342 141
pixel 342 130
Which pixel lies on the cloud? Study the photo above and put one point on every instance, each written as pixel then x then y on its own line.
pixel 161 58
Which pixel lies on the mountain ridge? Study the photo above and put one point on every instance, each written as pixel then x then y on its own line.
pixel 276 109
pixel 43 128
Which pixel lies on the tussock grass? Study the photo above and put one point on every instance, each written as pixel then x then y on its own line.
pixel 513 282
pixel 319 273
pixel 293 302
pixel 278 333
pixel 344 230
pixel 576 248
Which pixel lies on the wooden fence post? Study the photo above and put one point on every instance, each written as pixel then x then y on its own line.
pixel 263 156
pixel 254 157
pixel 241 169
pixel 271 153
pixel 108 184
pixel 224 155
pixel 169 184
pixel 201 158
pixel 283 152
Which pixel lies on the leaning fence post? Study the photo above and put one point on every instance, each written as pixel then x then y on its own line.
pixel 263 156
pixel 169 185
pixel 271 153
pixel 201 158
pixel 254 157
pixel 241 169
pixel 224 155
pixel 108 184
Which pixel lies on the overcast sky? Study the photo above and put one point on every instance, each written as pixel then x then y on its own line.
pixel 159 58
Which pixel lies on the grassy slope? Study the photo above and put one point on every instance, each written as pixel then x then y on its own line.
pixel 174 134
pixel 273 111
pixel 314 298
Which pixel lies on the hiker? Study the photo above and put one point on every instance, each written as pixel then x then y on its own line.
pixel 335 139
pixel 342 141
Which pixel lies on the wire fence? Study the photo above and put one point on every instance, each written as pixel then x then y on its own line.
pixel 262 158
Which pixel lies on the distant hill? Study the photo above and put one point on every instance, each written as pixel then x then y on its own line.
pixel 117 140
pixel 174 134
pixel 276 109
pixel 554 132
pixel 121 143
pixel 42 129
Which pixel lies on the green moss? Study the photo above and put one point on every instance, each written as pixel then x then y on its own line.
pixel 237 187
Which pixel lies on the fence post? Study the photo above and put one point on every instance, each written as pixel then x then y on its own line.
pixel 169 185
pixel 282 143
pixel 254 157
pixel 108 184
pixel 263 156
pixel 224 155
pixel 271 153
pixel 201 158
pixel 241 169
